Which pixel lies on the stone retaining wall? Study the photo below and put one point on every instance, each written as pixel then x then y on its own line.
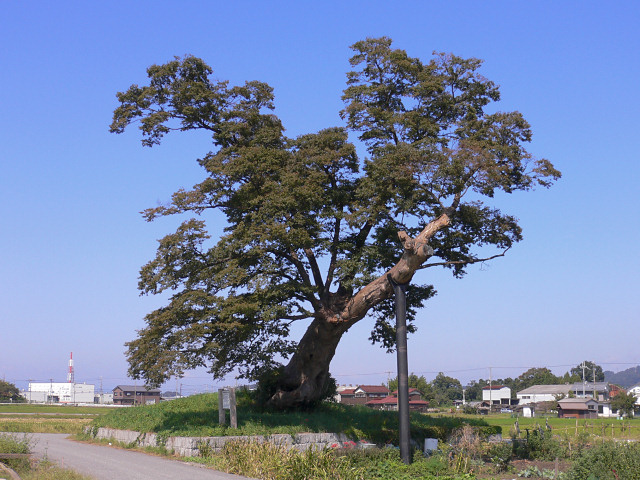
pixel 191 446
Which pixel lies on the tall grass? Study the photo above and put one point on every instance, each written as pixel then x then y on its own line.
pixel 270 462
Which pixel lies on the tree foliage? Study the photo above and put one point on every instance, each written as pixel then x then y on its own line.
pixel 624 402
pixel 311 228
pixel 418 382
pixel 10 393
pixel 590 368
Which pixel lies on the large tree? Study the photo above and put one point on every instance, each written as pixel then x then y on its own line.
pixel 587 371
pixel 10 393
pixel 313 232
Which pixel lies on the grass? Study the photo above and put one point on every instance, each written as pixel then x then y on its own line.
pixel 52 409
pixel 44 425
pixel 38 418
pixel 606 428
pixel 198 416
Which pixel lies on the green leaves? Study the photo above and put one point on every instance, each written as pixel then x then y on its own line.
pixel 307 224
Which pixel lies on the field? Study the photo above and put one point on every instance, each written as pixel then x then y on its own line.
pixel 599 428
pixel 32 418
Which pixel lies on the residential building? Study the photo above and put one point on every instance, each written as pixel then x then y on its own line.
pixel 135 395
pixel 542 393
pixel 584 407
pixel 636 391
pixel 362 394
pixel 598 391
pixel 416 403
pixel 496 395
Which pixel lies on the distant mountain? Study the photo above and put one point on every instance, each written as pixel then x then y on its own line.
pixel 626 378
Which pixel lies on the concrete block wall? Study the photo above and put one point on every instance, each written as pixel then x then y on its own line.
pixel 190 446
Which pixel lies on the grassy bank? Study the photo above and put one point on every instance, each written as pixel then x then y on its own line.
pixel 198 416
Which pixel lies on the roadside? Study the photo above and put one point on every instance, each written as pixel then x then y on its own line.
pixel 104 463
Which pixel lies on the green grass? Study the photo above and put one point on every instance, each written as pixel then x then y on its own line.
pixel 198 416
pixel 608 428
pixel 51 409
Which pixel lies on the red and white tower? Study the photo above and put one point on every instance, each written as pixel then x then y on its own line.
pixel 70 378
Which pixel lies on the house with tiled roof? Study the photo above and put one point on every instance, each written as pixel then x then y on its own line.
pixel 362 394
pixel 416 403
pixel 135 395
pixel 585 407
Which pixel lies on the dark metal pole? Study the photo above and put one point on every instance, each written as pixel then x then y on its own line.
pixel 403 369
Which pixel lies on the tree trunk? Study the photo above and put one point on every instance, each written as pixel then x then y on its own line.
pixel 305 378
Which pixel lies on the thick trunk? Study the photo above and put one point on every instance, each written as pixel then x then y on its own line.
pixel 305 377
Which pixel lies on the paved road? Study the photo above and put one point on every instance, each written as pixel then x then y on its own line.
pixel 105 463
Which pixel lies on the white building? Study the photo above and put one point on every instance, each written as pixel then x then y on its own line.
pixel 542 393
pixel 636 391
pixel 496 394
pixel 50 392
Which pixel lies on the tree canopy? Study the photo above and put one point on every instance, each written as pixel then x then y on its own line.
pixel 625 403
pixel 312 228
pixel 10 393
pixel 591 372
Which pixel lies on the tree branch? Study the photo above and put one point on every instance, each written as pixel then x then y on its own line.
pixel 317 276
pixel 465 262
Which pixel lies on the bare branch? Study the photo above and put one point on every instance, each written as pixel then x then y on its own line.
pixel 465 262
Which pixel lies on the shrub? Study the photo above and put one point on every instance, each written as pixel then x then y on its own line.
pixel 12 443
pixel 607 461
pixel 500 455
pixel 540 445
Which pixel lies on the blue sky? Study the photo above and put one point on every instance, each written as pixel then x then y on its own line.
pixel 73 241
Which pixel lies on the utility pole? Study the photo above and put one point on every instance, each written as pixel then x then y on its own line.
pixel 490 391
pixel 400 291
pixel 584 394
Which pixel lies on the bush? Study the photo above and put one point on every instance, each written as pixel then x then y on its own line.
pixel 539 445
pixel 272 462
pixel 500 455
pixel 12 443
pixel 607 461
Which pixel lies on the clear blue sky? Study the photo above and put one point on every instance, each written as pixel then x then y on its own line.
pixel 72 239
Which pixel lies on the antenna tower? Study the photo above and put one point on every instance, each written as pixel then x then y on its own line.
pixel 70 378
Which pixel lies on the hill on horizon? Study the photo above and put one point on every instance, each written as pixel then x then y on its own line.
pixel 626 378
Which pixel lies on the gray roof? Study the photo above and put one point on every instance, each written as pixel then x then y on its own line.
pixel 575 403
pixel 546 390
pixel 136 388
pixel 588 386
